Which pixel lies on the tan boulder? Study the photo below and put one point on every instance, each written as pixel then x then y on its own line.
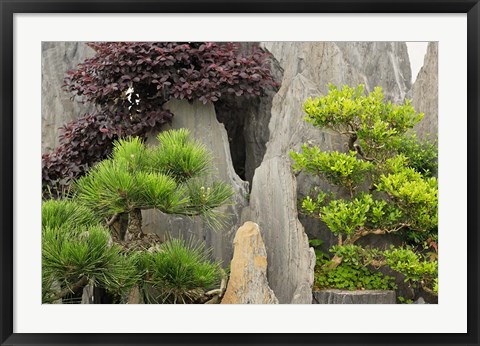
pixel 248 282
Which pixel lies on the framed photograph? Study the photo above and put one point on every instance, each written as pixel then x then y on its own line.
pixel 239 172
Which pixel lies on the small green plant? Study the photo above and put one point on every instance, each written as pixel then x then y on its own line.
pixel 67 213
pixel 419 271
pixel 422 154
pixel 319 254
pixel 337 168
pixel 435 285
pixel 388 176
pixel 403 300
pixel 179 272
pixel 351 277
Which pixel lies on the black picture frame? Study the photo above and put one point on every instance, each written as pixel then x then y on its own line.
pixel 9 7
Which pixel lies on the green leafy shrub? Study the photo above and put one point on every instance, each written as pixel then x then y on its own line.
pixel 422 154
pixel 414 268
pixel 403 300
pixel 415 196
pixel 402 196
pixel 376 124
pixel 357 255
pixel 337 168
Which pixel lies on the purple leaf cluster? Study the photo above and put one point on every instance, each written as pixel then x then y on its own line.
pixel 129 82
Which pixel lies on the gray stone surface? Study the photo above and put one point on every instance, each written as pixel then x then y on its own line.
pixel 424 94
pixel 88 294
pixel 248 282
pixel 291 261
pixel 201 120
pixel 353 297
pixel 308 67
pixel 380 63
pixel 57 106
pixel 300 293
pixel 419 301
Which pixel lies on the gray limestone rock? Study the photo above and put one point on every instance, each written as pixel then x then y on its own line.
pixel 57 106
pixel 420 300
pixel 386 64
pixel 353 297
pixel 88 294
pixel 424 94
pixel 201 120
pixel 300 293
pixel 291 261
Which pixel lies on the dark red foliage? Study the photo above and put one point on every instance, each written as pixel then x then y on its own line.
pixel 160 71
pixel 88 140
pixel 130 82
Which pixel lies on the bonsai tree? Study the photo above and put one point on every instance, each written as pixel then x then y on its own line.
pixel 384 184
pixel 77 251
pixel 172 177
pixel 129 83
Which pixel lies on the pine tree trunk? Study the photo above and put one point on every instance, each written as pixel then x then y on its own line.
pixel 134 228
pixel 118 225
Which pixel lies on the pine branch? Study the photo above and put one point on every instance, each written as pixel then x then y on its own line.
pixel 68 290
pixel 113 219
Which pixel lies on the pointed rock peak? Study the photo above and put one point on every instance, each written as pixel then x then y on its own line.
pixel 248 282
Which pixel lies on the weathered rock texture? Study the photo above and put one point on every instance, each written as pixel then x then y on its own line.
pixel 201 120
pixel 308 67
pixel 424 94
pixel 384 64
pixel 248 282
pixel 246 121
pixel 88 294
pixel 354 297
pixel 57 106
